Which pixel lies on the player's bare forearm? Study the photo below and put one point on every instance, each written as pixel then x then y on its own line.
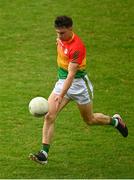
pixel 65 88
pixel 67 85
pixel 72 69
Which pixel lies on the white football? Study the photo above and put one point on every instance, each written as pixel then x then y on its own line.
pixel 38 106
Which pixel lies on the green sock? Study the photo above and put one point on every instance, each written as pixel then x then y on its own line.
pixel 114 121
pixel 45 147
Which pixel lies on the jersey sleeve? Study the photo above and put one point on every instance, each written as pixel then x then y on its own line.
pixel 77 55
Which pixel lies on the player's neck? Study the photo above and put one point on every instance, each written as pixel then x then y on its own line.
pixel 70 38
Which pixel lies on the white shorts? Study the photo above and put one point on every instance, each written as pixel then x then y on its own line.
pixel 81 90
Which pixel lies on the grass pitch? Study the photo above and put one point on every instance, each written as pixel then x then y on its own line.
pixel 28 69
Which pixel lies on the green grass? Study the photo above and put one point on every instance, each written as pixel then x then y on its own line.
pixel 28 69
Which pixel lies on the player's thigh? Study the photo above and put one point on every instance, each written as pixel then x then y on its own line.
pixel 86 111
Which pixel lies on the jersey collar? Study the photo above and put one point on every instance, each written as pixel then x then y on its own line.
pixel 70 40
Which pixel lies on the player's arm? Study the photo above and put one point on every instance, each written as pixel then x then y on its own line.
pixel 72 69
pixel 75 60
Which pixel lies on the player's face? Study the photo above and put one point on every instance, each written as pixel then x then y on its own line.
pixel 64 34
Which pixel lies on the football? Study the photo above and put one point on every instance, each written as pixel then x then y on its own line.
pixel 38 106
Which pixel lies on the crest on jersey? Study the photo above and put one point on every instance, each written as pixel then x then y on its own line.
pixel 65 51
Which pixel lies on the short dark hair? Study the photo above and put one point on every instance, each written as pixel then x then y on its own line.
pixel 63 21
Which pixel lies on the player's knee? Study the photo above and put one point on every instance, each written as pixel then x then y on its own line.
pixel 49 117
pixel 89 120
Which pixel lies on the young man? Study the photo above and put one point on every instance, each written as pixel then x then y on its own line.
pixel 73 84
